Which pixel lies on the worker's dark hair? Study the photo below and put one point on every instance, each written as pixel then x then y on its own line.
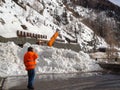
pixel 30 49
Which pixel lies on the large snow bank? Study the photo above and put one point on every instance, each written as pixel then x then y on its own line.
pixel 51 60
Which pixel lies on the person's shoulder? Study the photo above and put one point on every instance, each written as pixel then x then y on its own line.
pixel 34 52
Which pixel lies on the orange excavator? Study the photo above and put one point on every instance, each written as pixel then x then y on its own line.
pixel 53 38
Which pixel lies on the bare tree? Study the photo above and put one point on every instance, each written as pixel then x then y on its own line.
pixel 110 39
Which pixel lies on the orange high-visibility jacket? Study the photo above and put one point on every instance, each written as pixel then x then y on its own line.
pixel 30 60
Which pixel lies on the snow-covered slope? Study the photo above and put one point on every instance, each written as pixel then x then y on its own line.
pixel 42 17
pixel 14 16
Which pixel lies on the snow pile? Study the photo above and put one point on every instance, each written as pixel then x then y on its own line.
pixel 10 63
pixel 51 60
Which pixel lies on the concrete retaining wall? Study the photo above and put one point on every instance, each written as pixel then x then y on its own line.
pixel 75 47
pixel 19 40
pixel 22 40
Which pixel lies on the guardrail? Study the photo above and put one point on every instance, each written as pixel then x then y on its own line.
pixel 108 59
pixel 29 34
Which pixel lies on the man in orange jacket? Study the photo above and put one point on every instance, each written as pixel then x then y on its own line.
pixel 30 64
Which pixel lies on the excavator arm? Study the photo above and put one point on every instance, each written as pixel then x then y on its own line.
pixel 53 38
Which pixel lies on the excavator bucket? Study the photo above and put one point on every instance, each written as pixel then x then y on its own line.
pixel 53 38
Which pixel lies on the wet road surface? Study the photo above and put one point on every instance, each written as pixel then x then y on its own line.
pixel 74 81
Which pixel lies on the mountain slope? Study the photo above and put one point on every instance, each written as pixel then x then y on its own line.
pixel 101 15
pixel 75 20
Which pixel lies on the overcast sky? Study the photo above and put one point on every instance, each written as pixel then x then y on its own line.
pixel 116 2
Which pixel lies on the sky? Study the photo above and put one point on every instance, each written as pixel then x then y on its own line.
pixel 117 2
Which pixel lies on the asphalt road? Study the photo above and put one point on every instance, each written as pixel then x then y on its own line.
pixel 74 81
